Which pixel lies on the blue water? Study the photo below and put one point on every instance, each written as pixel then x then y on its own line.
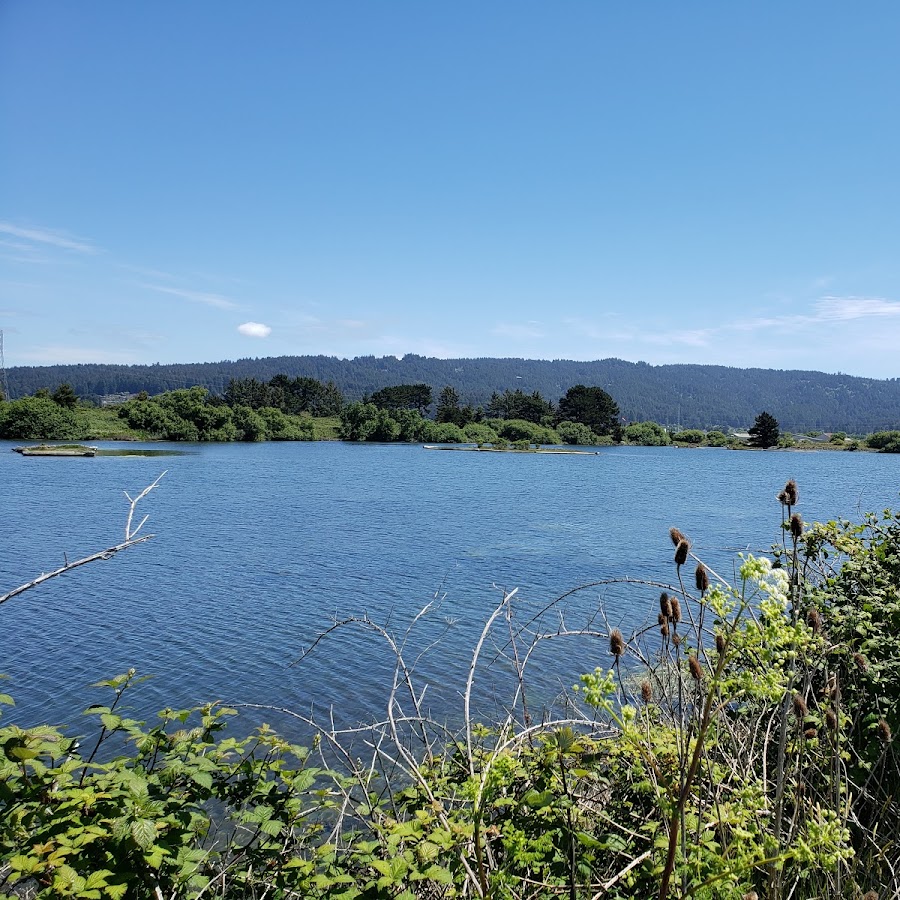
pixel 258 546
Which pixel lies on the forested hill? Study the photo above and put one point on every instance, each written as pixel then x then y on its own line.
pixel 692 395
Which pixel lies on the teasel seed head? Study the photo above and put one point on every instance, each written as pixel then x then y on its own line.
pixel 661 618
pixel 814 620
pixel 665 605
pixel 884 731
pixel 664 629
pixel 810 733
pixel 720 644
pixel 681 553
pixel 701 578
pixel 694 666
pixel 750 895
pixel 782 497
pixel 676 610
pixel 831 719
pixel 861 663
pixel 796 525
pixel 791 494
pixel 646 691
pixel 870 895
pixel 676 640
pixel 800 708
pixel 616 643
pixel 676 536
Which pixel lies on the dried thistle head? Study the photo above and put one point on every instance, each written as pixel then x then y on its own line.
pixel 616 643
pixel 810 733
pixel 701 578
pixel 870 895
pixel 814 620
pixel 694 666
pixel 676 610
pixel 681 553
pixel 796 525
pixel 677 536
pixel 884 731
pixel 791 494
pixel 750 895
pixel 661 618
pixel 861 662
pixel 665 606
pixel 676 640
pixel 664 629
pixel 831 719
pixel 800 708
pixel 646 691
pixel 720 644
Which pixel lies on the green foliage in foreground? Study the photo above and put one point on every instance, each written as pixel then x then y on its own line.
pixel 750 751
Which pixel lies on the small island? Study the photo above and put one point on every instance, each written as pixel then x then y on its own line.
pixel 56 450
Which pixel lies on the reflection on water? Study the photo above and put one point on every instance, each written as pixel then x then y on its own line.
pixel 258 547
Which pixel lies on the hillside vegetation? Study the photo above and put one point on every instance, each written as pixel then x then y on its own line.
pixel 693 396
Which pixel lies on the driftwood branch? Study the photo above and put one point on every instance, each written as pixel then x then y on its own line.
pixel 130 540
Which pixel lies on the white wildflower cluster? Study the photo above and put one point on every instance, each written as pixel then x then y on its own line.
pixel 773 584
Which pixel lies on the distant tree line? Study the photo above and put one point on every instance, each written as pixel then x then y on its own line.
pixel 689 396
pixel 285 409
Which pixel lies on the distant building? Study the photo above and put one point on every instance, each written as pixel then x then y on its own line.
pixel 116 399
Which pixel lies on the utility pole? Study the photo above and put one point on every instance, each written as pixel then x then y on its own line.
pixel 4 381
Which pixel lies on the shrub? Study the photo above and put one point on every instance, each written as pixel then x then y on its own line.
pixel 689 436
pixel 38 419
pixel 717 439
pixel 576 433
pixel 885 441
pixel 648 434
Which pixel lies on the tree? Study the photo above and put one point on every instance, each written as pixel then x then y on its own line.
pixel 64 396
pixel 519 405
pixel 764 432
pixel 403 396
pixel 590 406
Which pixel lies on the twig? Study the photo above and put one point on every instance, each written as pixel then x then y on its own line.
pixel 130 541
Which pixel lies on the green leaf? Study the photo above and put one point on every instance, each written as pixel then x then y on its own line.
pixel 144 833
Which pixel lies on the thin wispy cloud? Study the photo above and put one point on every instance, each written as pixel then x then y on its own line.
pixel 58 354
pixel 525 331
pixel 697 337
pixel 49 237
pixel 843 309
pixel 254 329
pixel 215 300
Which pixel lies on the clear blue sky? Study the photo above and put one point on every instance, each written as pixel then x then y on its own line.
pixel 670 182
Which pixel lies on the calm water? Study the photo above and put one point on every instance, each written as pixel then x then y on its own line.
pixel 258 546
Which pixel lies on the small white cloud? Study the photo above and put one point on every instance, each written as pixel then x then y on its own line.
pixel 255 329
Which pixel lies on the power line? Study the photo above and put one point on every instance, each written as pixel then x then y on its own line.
pixel 4 381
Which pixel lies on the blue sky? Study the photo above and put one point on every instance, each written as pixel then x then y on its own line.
pixel 671 182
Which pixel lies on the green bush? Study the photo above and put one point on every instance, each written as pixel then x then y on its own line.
pixel 885 441
pixel 717 439
pixel 648 434
pixel 479 433
pixel 576 433
pixel 520 430
pixel 38 419
pixel 444 433
pixel 689 436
